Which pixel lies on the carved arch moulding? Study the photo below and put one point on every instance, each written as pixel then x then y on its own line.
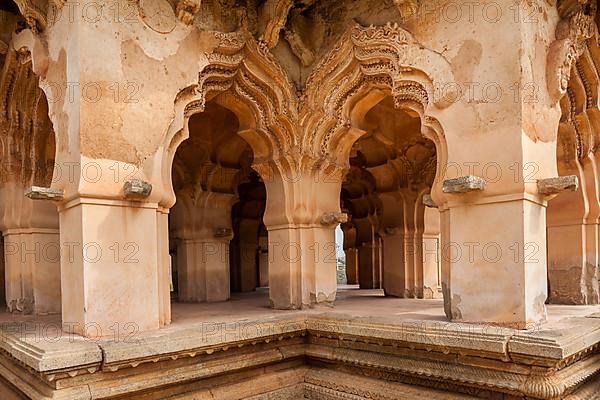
pixel 367 65
pixel 243 76
pixel 301 129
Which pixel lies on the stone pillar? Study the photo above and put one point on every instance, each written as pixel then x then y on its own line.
pixel 498 276
pixel 110 258
pixel 164 266
pixel 263 261
pixel 573 239
pixel 394 265
pixel 31 253
pixel 431 255
pixel 248 258
pixel 366 265
pixel 201 223
pixel 378 261
pixel 302 211
pixel 418 215
pixel 351 266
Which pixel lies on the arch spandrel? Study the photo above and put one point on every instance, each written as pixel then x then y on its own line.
pixel 367 65
pixel 242 76
pixel 371 62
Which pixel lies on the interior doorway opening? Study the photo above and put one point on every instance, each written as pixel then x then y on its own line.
pixel 217 238
pixel 391 239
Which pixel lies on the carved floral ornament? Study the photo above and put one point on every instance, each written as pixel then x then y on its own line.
pixel 293 131
pixel 386 58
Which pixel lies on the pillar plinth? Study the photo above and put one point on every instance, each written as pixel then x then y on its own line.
pixel 351 266
pixel 109 260
pixel 497 275
pixel 394 273
pixel 301 215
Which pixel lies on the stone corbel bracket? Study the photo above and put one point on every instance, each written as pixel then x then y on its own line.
pixel 428 201
pixel 44 193
pixel 464 184
pixel 137 189
pixel 333 218
pixel 223 233
pixel 550 186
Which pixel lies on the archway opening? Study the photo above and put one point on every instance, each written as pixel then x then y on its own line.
pixel 30 265
pixel 215 226
pixel 391 239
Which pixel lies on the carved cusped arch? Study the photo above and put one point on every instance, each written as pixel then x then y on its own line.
pixel 243 76
pixel 367 65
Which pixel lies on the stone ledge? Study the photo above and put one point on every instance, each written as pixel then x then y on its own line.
pixel 49 354
pixel 550 345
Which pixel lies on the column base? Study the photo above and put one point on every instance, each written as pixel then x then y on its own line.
pixel 109 260
pixel 32 271
pixel 203 270
pixel 497 276
pixel 302 268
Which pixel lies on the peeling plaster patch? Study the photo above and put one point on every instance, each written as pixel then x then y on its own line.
pixel 58 116
pixel 119 130
pixel 463 64
pixel 456 313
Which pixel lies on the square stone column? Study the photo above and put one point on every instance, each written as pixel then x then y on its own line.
pixel 431 254
pixel 498 275
pixel 573 240
pixel 164 264
pixel 351 266
pixel 263 261
pixel 109 260
pixel 302 268
pixel 31 252
pixel 394 264
pixel 32 270
pixel 367 259
pixel 248 254
pixel 203 269
pixel 431 266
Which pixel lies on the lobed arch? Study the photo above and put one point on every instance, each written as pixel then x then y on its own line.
pixel 367 65
pixel 242 76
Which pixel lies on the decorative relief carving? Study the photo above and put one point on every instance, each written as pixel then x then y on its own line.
pixel 275 12
pixel 577 25
pixel 407 8
pixel 34 12
pixel 383 57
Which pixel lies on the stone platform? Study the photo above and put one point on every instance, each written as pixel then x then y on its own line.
pixel 366 347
